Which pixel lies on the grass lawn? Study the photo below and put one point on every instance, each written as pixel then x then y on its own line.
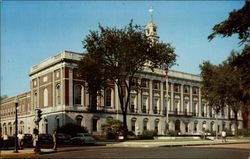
pixel 238 138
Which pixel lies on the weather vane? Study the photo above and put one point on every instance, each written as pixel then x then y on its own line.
pixel 151 11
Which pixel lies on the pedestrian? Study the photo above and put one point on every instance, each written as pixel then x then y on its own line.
pixel 224 135
pixel 20 140
pixel 5 141
pixel 55 140
pixel 35 140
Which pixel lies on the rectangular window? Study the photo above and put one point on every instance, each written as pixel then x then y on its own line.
pixel 144 83
pixel 94 125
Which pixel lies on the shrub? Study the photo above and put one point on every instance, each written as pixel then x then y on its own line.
pixel 148 134
pixel 131 133
pixel 244 132
pixel 228 132
pixel 172 133
pixel 72 129
pixel 112 128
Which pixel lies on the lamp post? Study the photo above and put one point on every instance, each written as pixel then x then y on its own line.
pixel 16 126
pixel 216 109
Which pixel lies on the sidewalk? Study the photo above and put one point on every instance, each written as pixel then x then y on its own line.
pixel 174 143
pixel 23 153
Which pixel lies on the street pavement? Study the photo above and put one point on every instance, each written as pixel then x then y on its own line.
pixel 126 148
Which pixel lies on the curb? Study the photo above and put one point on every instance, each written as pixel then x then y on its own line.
pixel 24 154
pixel 187 145
pixel 173 145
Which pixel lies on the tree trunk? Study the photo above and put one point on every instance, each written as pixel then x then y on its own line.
pixel 93 103
pixel 125 128
pixel 245 116
pixel 236 122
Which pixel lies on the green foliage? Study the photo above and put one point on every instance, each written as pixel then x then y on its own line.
pixel 148 134
pixel 228 132
pixel 72 129
pixel 172 133
pixel 112 128
pixel 244 132
pixel 117 55
pixel 237 23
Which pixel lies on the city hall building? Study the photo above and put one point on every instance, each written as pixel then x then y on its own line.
pixel 172 102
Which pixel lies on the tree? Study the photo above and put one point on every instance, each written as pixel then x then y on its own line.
pixel 224 85
pixel 240 67
pixel 93 72
pixel 112 128
pixel 122 54
pixel 237 23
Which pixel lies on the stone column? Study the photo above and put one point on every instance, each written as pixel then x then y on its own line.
pixel 38 93
pixel 191 100
pixel 31 96
pixel 172 98
pixel 161 99
pixel 139 98
pixel 117 100
pixel 62 86
pixel 199 107
pixel 150 105
pixel 182 99
pixel 71 87
pixel 53 89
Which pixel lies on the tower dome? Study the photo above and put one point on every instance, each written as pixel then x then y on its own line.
pixel 151 29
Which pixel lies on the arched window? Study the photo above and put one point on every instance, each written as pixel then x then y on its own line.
pixel 195 125
pixel 58 95
pixel 21 127
pixel 108 92
pixel 94 123
pixel 145 124
pixel 133 122
pixel 212 126
pixel 46 126
pixel 157 125
pixel 177 125
pixel 45 97
pixel 10 129
pixel 132 103
pixel 79 120
pixel 4 128
pixel 78 95
pixel 204 126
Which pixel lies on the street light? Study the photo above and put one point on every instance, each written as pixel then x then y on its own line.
pixel 216 109
pixel 16 120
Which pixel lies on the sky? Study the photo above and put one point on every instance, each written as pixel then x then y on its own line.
pixel 32 31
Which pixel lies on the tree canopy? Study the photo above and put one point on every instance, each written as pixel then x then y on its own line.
pixel 228 83
pixel 121 54
pixel 237 23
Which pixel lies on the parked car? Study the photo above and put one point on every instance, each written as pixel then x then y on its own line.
pixel 45 138
pixel 27 138
pixel 63 138
pixel 83 138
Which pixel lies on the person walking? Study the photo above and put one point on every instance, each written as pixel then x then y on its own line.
pixel 20 140
pixel 224 134
pixel 5 141
pixel 55 140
